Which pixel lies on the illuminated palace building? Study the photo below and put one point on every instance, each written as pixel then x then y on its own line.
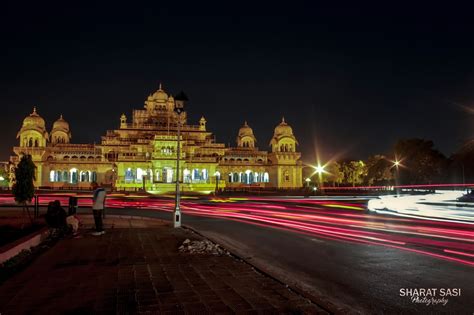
pixel 142 154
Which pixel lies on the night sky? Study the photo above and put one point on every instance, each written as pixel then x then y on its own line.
pixel 350 79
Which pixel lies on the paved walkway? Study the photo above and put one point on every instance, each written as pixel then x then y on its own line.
pixel 136 267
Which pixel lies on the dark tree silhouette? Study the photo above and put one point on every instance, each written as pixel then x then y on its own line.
pixel 379 170
pixel 23 186
pixel 421 162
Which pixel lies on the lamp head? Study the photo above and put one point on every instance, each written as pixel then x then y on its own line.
pixel 179 102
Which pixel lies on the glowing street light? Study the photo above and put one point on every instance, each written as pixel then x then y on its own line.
pixel 396 164
pixel 319 169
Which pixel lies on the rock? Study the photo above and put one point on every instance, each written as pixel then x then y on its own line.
pixel 202 247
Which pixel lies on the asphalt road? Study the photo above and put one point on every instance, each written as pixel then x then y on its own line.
pixel 347 259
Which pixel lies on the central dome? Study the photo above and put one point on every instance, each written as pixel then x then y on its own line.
pixel 34 120
pixel 160 95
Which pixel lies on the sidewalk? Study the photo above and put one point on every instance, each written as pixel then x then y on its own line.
pixel 136 267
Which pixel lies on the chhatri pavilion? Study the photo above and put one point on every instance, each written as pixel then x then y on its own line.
pixel 142 154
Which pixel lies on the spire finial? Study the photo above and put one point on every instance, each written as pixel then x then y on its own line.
pixel 245 123
pixel 61 116
pixel 34 109
pixel 283 119
pixel 160 87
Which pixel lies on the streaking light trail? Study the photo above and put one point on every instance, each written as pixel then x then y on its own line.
pixel 334 219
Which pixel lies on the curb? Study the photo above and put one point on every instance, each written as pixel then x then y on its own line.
pixel 11 250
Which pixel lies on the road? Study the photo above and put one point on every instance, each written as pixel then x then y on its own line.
pixel 348 259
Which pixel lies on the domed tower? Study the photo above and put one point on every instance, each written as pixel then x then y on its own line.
pixel 202 124
pixel 33 131
pixel 246 138
pixel 286 169
pixel 157 101
pixel 283 139
pixel 60 132
pixel 123 121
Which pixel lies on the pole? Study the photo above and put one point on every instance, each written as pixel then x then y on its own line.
pixel 177 210
pixel 36 215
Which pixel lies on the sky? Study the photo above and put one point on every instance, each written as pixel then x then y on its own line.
pixel 350 78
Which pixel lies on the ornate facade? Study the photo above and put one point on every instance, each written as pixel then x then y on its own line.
pixel 141 154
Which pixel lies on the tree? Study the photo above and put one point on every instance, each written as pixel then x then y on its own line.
pixel 23 186
pixel 461 166
pixel 379 170
pixel 354 172
pixel 422 163
pixel 334 174
pixel 4 176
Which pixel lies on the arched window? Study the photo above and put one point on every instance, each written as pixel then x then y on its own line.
pixel 30 143
pixel 291 148
pixel 286 147
pixel 129 175
pixel 204 174
pixel 248 177
pixel 168 174
pixel 286 176
pixel 266 178
pixel 65 176
pixel 73 175
pixel 186 176
pixel 236 178
pixel 157 176
pixel 196 175
pixel 139 174
pixel 52 176
pixel 36 143
pixel 66 158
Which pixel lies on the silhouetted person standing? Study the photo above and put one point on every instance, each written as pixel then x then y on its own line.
pixel 98 204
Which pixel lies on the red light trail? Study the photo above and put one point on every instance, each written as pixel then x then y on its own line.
pixel 329 219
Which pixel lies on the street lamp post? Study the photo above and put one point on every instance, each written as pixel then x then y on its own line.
pixel 396 164
pixel 307 180
pixel 320 170
pixel 179 101
pixel 217 176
